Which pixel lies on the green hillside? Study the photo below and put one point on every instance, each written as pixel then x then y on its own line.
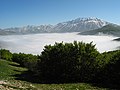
pixel 8 69
pixel 108 29
pixel 8 81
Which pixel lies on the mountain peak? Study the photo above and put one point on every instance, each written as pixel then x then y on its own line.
pixel 76 25
pixel 87 18
pixel 80 24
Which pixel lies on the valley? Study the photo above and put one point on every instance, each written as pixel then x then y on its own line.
pixel 34 43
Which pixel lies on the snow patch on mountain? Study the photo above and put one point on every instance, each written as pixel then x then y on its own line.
pixel 77 25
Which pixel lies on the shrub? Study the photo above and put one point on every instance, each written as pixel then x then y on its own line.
pixel 25 60
pixel 111 70
pixel 67 62
pixel 5 54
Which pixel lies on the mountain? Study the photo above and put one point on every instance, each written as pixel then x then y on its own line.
pixel 77 25
pixel 110 29
pixel 26 30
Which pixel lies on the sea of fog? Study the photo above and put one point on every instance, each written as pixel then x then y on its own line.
pixel 34 43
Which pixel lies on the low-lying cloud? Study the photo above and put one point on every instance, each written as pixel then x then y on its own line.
pixel 34 43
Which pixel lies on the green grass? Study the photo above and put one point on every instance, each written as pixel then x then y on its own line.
pixel 8 70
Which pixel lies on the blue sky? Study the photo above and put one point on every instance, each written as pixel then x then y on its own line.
pixel 17 13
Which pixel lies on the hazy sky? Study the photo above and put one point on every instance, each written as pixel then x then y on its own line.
pixel 15 13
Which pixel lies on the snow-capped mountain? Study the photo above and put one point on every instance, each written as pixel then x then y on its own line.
pixel 30 29
pixel 77 25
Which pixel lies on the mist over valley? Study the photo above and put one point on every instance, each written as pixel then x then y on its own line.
pixel 34 43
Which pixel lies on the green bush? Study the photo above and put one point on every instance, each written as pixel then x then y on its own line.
pixel 68 62
pixel 111 71
pixel 5 54
pixel 25 60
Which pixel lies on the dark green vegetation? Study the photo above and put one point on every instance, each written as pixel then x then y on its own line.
pixel 70 63
pixel 108 29
pixel 5 54
pixel 25 60
pixel 67 62
pixel 8 80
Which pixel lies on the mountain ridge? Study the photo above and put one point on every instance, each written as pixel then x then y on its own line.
pixel 76 25
pixel 110 29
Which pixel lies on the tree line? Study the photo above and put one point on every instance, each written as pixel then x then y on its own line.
pixel 70 62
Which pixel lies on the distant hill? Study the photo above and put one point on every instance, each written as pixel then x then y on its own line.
pixel 77 25
pixel 110 29
pixel 117 39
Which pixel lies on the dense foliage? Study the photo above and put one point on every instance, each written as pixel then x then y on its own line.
pixel 70 62
pixel 26 60
pixel 109 73
pixel 5 54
